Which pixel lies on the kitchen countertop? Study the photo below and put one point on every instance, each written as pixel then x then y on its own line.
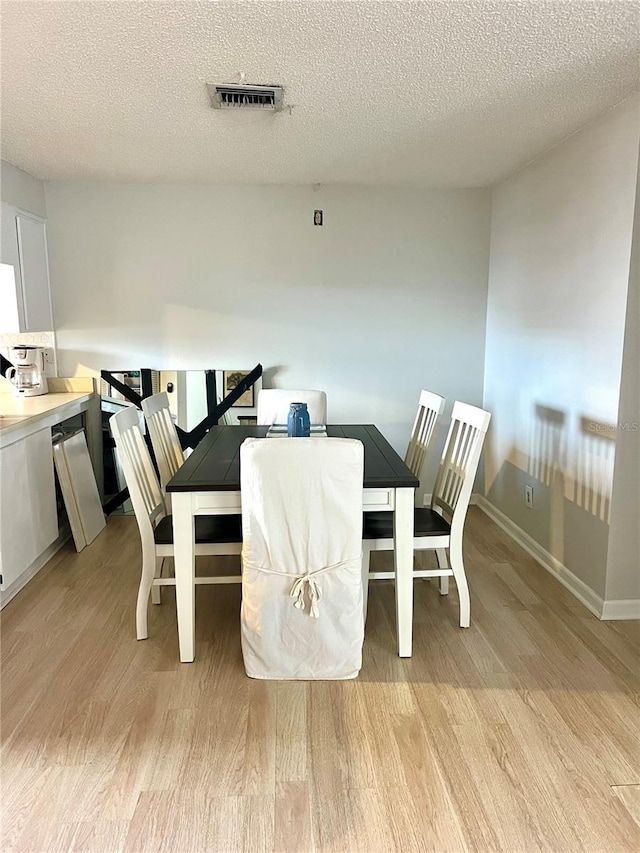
pixel 21 416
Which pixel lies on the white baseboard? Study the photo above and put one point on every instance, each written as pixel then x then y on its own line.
pixel 13 589
pixel 591 600
pixel 603 609
pixel 621 608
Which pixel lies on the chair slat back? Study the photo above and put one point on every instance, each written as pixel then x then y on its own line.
pixel 164 438
pixel 430 408
pixel 138 469
pixel 273 405
pixel 460 458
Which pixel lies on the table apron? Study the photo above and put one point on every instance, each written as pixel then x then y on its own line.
pixel 216 503
pixel 229 503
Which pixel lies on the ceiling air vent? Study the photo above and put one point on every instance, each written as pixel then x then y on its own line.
pixel 240 96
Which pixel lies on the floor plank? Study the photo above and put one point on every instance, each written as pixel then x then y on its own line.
pixel 518 734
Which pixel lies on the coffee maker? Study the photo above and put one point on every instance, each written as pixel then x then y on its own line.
pixel 27 374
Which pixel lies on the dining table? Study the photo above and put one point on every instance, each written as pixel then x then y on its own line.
pixel 208 483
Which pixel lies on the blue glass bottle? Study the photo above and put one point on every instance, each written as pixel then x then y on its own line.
pixel 298 423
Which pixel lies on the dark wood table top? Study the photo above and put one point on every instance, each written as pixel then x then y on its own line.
pixel 215 463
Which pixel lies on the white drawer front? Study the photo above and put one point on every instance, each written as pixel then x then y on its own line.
pixel 216 503
pixel 377 499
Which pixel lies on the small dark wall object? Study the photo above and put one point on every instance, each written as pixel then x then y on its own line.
pixel 317 217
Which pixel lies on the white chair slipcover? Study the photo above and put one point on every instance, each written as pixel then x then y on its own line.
pixel 302 614
pixel 273 405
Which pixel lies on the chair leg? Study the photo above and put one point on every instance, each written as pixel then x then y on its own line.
pixel 156 591
pixel 146 582
pixel 457 566
pixel 441 556
pixel 366 559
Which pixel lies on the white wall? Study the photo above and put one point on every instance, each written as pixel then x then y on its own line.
pixel 388 297
pixel 559 270
pixel 623 563
pixel 21 189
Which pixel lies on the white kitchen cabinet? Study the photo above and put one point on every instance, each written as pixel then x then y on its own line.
pixel 28 513
pixel 25 301
pixel 31 530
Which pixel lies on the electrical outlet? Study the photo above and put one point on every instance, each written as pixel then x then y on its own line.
pixel 49 358
pixel 528 496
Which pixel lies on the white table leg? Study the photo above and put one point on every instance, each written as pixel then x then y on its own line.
pixel 403 565
pixel 185 568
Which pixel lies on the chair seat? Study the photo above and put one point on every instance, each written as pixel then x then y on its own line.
pixel 426 522
pixel 209 528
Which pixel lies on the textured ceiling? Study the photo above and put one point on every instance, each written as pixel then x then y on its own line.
pixel 428 93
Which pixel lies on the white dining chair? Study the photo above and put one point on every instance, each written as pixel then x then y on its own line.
pixel 164 438
pixel 430 407
pixel 440 526
pixel 302 615
pixel 273 405
pixel 214 535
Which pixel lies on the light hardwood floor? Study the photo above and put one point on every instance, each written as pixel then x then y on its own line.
pixel 518 734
